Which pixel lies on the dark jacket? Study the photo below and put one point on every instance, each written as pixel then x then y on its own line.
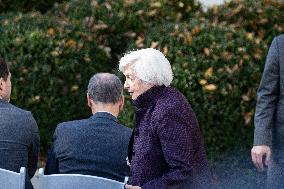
pixel 95 146
pixel 19 140
pixel 269 119
pixel 168 150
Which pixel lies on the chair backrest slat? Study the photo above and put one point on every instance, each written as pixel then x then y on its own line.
pixel 76 181
pixel 10 179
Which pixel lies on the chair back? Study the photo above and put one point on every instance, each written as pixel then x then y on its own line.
pixel 76 181
pixel 10 179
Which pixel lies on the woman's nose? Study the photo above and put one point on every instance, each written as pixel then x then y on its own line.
pixel 126 86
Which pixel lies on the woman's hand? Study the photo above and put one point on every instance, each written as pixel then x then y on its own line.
pixel 131 187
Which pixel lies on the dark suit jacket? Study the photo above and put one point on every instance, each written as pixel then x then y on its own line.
pixel 269 114
pixel 95 146
pixel 19 140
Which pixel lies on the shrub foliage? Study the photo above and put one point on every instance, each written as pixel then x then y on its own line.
pixel 27 5
pixel 217 57
pixel 51 63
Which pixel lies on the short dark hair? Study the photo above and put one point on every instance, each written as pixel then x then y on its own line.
pixel 4 69
pixel 105 88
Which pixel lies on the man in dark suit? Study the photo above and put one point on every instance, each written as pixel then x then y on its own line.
pixel 97 145
pixel 269 116
pixel 19 136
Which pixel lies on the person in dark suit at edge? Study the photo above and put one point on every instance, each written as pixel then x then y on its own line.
pixel 269 119
pixel 97 145
pixel 19 136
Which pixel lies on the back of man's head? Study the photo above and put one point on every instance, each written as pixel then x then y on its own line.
pixel 4 70
pixel 105 88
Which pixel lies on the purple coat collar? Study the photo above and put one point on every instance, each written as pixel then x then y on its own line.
pixel 149 97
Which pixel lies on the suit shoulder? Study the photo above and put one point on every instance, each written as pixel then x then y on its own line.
pixel 20 112
pixel 278 41
pixel 22 118
pixel 125 129
pixel 71 124
pixel 124 133
pixel 280 37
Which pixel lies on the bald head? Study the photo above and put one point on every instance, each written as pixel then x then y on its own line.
pixel 105 88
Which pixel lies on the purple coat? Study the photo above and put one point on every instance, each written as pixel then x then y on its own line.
pixel 168 149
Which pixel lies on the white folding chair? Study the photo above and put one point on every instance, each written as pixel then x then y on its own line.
pixel 13 180
pixel 76 181
pixel 126 180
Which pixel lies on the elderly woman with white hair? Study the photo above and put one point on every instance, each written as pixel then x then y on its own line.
pixel 166 149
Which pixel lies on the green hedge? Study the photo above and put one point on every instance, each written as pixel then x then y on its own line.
pixel 217 57
pixel 263 18
pixel 51 63
pixel 218 61
pixel 218 69
pixel 27 5
pixel 114 24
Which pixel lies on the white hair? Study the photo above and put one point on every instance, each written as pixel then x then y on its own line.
pixel 150 65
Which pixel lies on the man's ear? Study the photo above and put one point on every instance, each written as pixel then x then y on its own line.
pixel 121 102
pixel 1 83
pixel 89 100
